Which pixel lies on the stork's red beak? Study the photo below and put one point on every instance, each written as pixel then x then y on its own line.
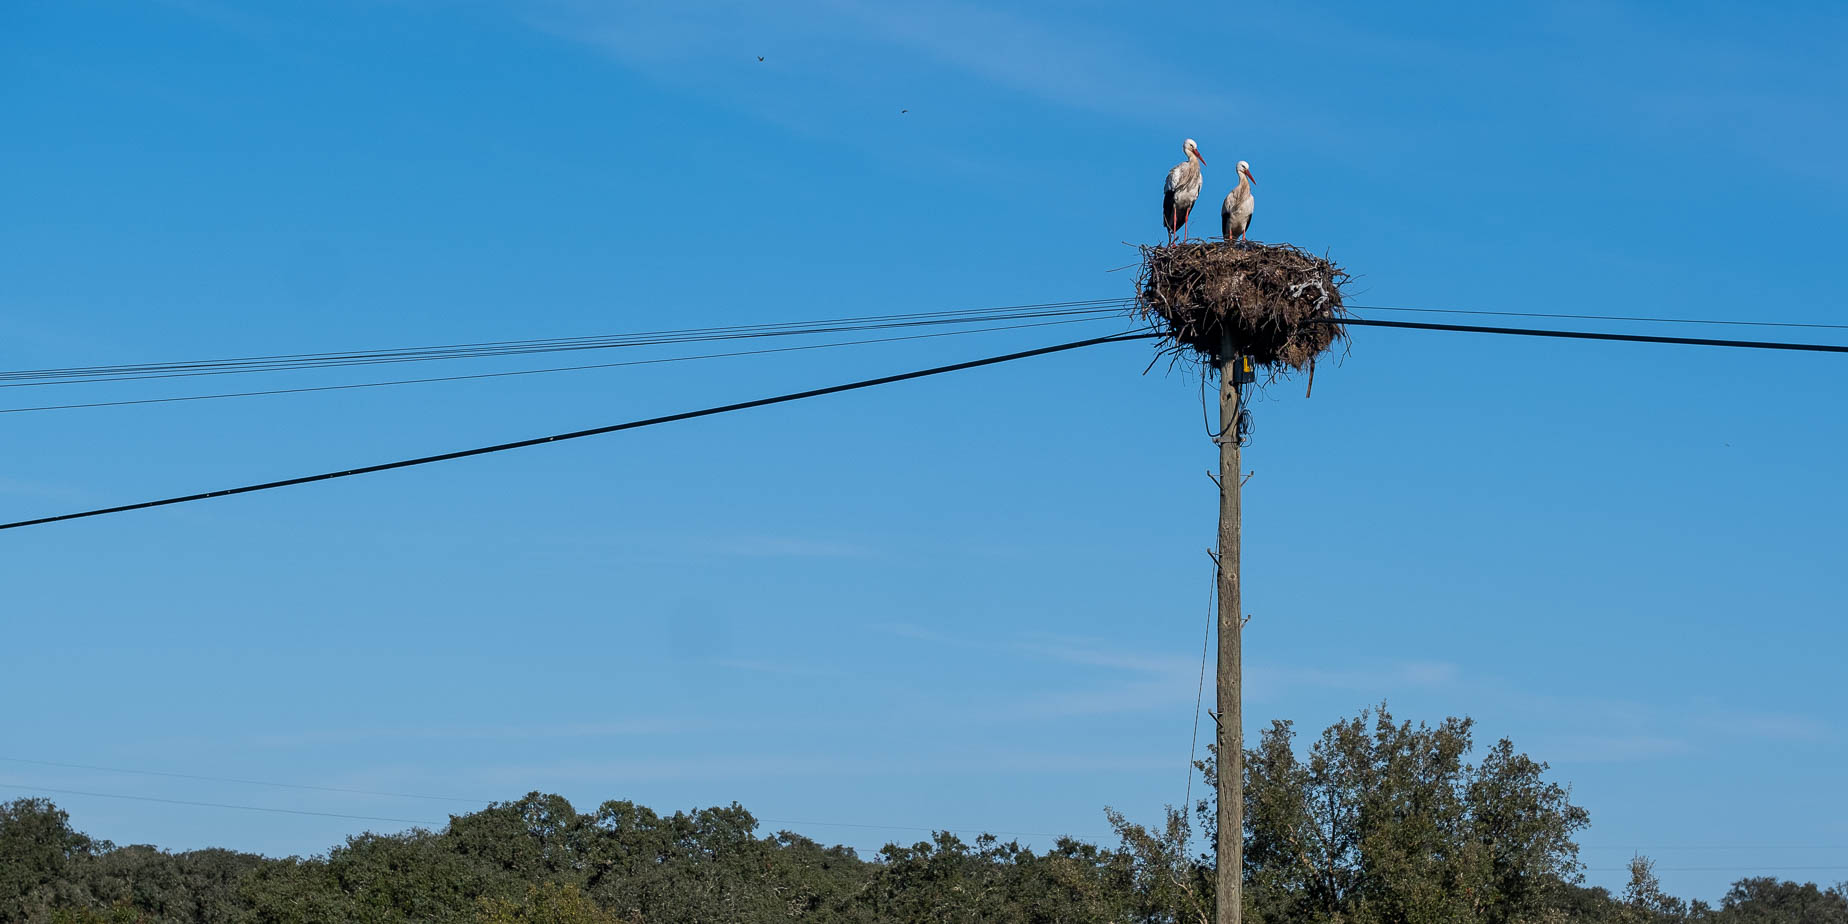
pixel 1253 179
pixel 1197 154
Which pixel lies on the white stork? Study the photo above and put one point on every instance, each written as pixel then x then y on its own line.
pixel 1235 215
pixel 1182 191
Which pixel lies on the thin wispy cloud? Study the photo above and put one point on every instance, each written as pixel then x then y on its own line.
pixel 614 729
pixel 1093 654
pixel 1596 728
pixel 1374 680
pixel 1111 699
pixel 1600 749
pixel 757 766
pixel 779 668
pixel 1122 680
pixel 790 547
pixel 1068 66
pixel 919 633
pixel 1125 680
pixel 676 768
pixel 1772 726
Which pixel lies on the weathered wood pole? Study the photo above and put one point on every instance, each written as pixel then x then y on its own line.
pixel 1230 851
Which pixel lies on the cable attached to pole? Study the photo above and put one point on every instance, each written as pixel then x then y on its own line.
pixel 1591 335
pixel 578 434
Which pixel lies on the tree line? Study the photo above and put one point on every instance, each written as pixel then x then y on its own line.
pixel 1376 822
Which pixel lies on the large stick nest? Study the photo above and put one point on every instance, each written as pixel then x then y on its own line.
pixel 1282 305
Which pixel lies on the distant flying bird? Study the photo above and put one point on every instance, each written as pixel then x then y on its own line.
pixel 903 111
pixel 760 57
pixel 1235 215
pixel 1182 191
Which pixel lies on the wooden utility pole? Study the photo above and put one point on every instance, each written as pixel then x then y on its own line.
pixel 1230 851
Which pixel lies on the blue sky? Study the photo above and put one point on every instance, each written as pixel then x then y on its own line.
pixel 973 601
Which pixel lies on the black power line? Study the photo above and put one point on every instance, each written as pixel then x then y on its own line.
pixel 1600 317
pixel 594 431
pixel 1591 335
pixel 542 371
pixel 295 361
pixel 1086 316
pixel 481 349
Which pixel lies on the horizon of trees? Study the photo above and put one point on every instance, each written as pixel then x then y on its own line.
pixel 1375 822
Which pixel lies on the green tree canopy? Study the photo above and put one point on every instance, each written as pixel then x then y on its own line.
pixel 1377 821
pixel 1388 821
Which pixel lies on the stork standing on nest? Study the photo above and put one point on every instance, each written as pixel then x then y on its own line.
pixel 1235 215
pixel 1182 191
